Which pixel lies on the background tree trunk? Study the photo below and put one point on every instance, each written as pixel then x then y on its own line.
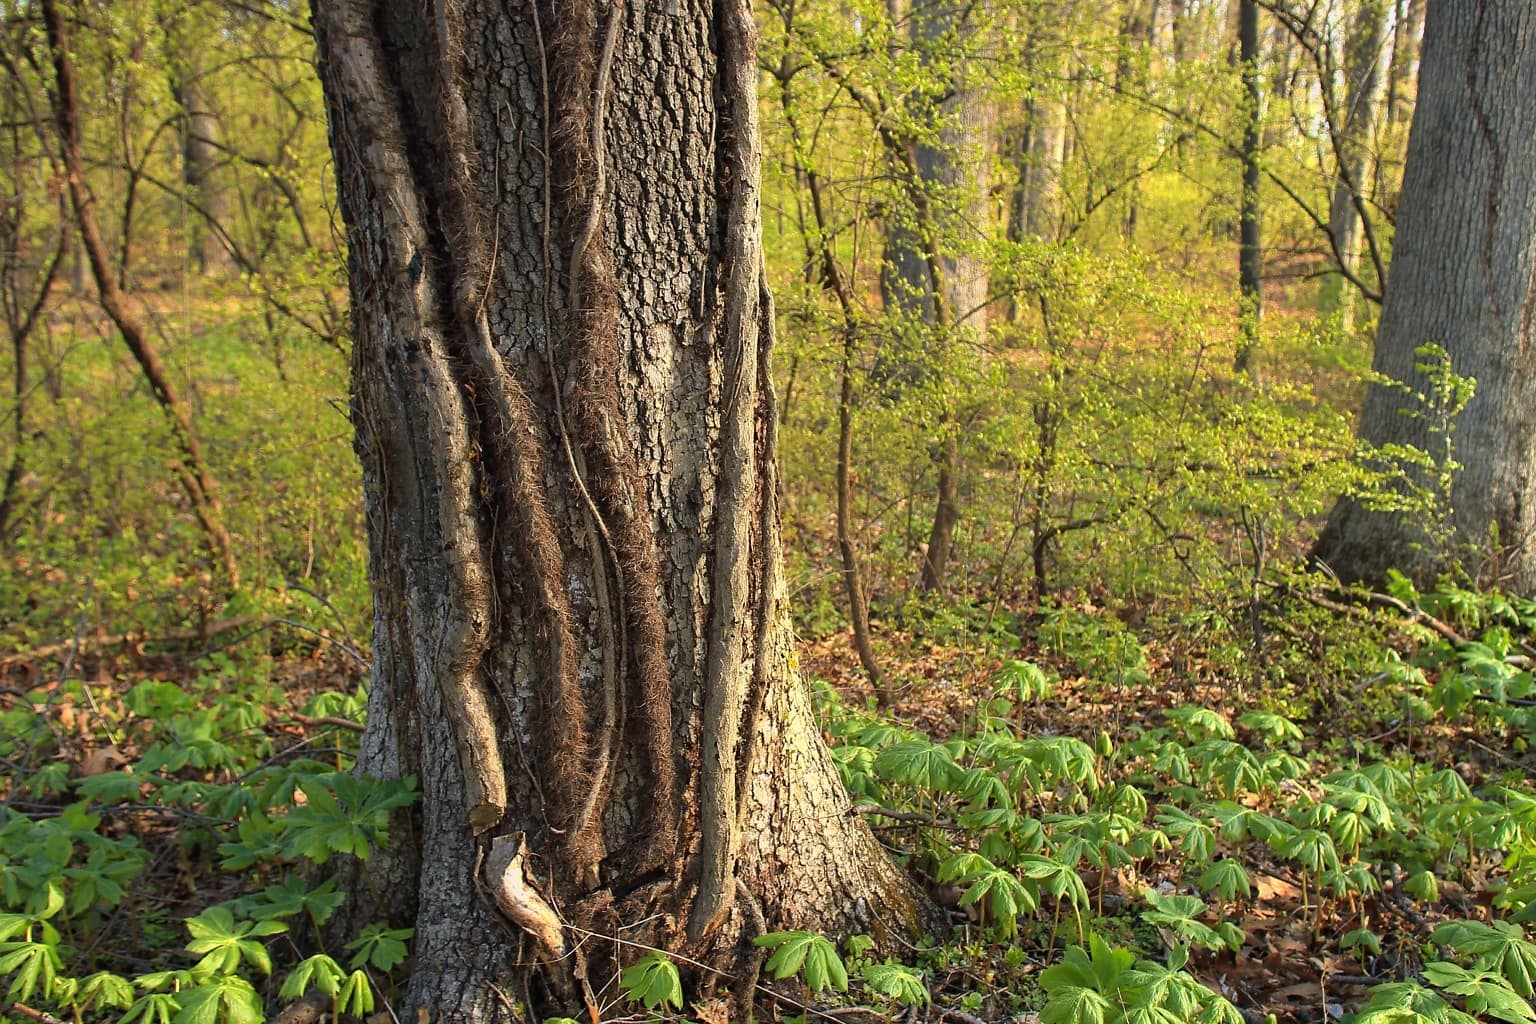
pixel 1365 58
pixel 1464 278
pixel 190 468
pixel 1403 69
pixel 200 137
pixel 565 419
pixel 932 275
pixel 1250 259
pixel 1040 151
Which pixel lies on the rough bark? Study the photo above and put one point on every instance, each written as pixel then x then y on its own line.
pixel 565 419
pixel 1365 53
pixel 1464 278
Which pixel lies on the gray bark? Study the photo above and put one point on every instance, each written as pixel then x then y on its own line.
pixel 565 419
pixel 1464 278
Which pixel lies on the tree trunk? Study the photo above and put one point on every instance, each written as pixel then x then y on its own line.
pixel 200 160
pixel 1250 259
pixel 1365 51
pixel 565 419
pixel 1464 278
pixel 932 275
pixel 1403 70
pixel 1034 211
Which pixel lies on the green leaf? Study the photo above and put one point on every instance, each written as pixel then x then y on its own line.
pixel 653 981
pixel 897 983
pixel 1275 729
pixel 380 947
pixel 152 1008
pixel 223 942
pixel 223 999
pixel 318 971
pixel 814 955
pixel 1226 880
pixel 919 763
pixel 1075 1005
pixel 104 990
pixel 1199 724
pixel 356 995
pixel 33 966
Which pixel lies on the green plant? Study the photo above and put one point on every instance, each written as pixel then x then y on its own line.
pixel 806 953
pixel 653 981
pixel 1102 984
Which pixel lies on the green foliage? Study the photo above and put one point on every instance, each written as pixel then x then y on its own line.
pixel 1179 915
pixel 807 954
pixel 1103 984
pixel 653 981
pixel 899 984
pixel 380 947
pixel 224 943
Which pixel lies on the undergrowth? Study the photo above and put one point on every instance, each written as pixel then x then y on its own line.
pixel 166 844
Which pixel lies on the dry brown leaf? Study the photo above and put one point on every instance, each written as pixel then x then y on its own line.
pixel 714 1010
pixel 100 761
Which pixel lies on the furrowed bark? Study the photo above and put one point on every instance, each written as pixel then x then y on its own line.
pixel 563 340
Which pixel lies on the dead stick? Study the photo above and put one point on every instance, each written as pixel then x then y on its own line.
pixel 124 639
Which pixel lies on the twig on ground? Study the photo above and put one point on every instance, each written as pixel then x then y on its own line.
pixel 175 636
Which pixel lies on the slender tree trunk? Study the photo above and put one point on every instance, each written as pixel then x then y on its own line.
pixel 21 314
pixel 565 418
pixel 1403 69
pixel 1041 149
pixel 190 468
pixel 1463 278
pixel 1250 260
pixel 823 266
pixel 853 580
pixel 1365 54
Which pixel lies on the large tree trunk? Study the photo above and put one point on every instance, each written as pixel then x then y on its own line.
pixel 1464 278
pixel 565 419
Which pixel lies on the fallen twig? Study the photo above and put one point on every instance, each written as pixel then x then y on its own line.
pixel 37 1015
pixel 340 723
pixel 176 636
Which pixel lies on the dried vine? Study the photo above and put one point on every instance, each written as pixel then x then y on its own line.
pixel 581 58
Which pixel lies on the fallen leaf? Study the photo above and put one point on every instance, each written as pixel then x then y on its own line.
pixel 100 761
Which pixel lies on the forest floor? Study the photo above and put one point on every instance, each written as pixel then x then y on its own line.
pixel 1310 946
